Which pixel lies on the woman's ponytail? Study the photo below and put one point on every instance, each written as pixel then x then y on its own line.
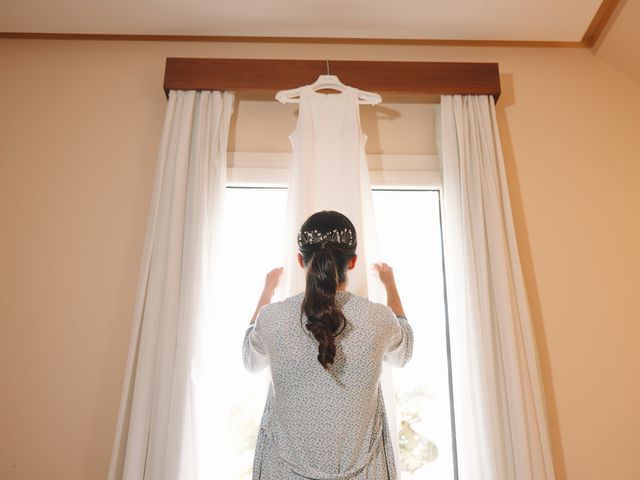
pixel 324 319
pixel 327 243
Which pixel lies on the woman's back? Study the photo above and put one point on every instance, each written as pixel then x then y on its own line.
pixel 326 423
pixel 324 417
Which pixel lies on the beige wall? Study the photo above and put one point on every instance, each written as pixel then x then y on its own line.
pixel 79 126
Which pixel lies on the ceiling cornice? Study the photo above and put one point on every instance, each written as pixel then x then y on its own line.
pixel 599 22
pixel 591 36
pixel 310 40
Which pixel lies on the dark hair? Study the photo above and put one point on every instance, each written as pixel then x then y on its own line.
pixel 327 242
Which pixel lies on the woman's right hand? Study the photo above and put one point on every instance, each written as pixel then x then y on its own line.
pixel 385 273
pixel 272 280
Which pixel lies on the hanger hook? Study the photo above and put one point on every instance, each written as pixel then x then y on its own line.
pixel 327 67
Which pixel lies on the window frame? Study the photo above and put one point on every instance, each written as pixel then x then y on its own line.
pixel 387 172
pixel 401 172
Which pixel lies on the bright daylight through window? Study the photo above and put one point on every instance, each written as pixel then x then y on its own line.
pixel 410 241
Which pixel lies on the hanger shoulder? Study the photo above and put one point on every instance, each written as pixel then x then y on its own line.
pixel 368 98
pixel 289 96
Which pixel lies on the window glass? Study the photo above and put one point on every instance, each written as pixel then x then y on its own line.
pixel 409 236
pixel 409 233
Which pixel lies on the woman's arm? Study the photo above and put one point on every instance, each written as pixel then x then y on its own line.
pixel 400 339
pixel 254 353
pixel 385 273
pixel 270 285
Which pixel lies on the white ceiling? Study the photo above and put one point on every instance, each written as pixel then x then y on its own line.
pixel 544 20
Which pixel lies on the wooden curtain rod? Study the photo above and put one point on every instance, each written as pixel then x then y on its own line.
pixel 253 75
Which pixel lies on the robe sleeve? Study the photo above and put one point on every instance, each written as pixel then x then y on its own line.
pixel 399 348
pixel 254 355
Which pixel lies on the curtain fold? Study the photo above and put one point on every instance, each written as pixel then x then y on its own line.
pixel 154 437
pixel 501 426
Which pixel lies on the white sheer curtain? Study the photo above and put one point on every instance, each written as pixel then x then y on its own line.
pixel 501 428
pixel 158 412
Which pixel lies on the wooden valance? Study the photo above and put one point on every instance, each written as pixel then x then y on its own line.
pixel 260 75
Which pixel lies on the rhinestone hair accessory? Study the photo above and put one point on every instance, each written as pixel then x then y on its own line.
pixel 310 237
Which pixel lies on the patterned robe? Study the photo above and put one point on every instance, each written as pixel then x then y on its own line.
pixel 325 424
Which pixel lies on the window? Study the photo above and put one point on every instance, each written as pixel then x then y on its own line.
pixel 413 248
pixel 410 241
pixel 252 244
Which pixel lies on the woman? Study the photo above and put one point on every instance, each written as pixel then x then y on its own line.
pixel 324 417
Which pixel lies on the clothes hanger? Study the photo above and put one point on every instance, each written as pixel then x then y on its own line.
pixel 327 81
